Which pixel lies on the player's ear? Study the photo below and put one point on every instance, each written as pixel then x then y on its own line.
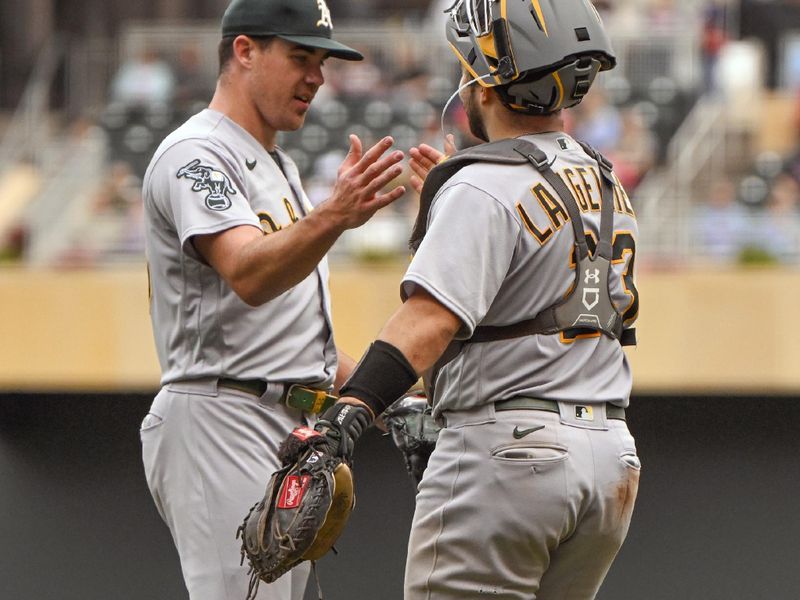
pixel 243 50
pixel 487 95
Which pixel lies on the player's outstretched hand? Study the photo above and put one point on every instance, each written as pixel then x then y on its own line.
pixel 425 157
pixel 357 193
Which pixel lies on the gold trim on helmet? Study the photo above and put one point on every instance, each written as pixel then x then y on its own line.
pixel 538 8
pixel 468 67
pixel 487 45
pixel 560 87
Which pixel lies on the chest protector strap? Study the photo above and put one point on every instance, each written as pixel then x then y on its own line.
pixel 588 304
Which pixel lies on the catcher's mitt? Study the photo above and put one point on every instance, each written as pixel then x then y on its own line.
pixel 413 430
pixel 303 512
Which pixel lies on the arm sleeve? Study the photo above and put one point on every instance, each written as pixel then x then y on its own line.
pixel 465 254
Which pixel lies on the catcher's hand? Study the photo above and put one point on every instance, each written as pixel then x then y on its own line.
pixel 308 501
pixel 413 430
pixel 342 424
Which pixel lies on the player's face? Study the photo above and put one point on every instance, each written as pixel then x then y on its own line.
pixel 283 82
pixel 469 97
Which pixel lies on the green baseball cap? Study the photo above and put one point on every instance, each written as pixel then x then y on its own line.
pixel 305 22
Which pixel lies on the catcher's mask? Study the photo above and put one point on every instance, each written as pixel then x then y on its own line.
pixel 540 55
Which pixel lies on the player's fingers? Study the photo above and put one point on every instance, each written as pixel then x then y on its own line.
pixel 431 154
pixel 421 159
pixel 353 154
pixel 382 179
pixel 386 199
pixel 449 144
pixel 416 183
pixel 377 169
pixel 374 153
pixel 418 169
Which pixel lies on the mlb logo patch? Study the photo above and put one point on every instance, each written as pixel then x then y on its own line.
pixel 565 143
pixel 294 487
pixel 584 413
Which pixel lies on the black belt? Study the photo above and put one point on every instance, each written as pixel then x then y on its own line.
pixel 256 387
pixel 612 410
pixel 295 395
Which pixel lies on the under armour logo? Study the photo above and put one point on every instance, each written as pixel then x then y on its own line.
pixel 325 15
pixel 592 277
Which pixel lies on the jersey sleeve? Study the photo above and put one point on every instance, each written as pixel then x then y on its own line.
pixel 199 189
pixel 465 254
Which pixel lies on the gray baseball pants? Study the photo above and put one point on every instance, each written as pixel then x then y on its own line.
pixel 208 454
pixel 536 518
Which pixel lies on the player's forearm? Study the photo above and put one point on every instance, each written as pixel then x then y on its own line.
pixel 270 265
pixel 421 329
pixel 411 342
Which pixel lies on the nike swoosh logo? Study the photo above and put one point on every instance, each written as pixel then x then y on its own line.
pixel 521 433
pixel 251 164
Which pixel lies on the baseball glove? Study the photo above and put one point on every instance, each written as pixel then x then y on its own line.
pixel 414 432
pixel 303 512
pixel 308 501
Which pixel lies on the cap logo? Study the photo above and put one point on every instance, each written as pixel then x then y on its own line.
pixel 325 15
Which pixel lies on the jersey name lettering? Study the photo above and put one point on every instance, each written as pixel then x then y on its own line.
pixel 584 184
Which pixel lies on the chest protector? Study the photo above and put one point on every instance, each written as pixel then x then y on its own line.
pixel 588 306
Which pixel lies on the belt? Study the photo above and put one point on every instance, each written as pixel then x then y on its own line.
pixel 295 395
pixel 256 387
pixel 612 410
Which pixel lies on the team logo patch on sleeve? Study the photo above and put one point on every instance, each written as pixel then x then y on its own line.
pixel 293 489
pixel 209 179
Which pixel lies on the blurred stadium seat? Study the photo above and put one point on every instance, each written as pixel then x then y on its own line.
pixel 668 59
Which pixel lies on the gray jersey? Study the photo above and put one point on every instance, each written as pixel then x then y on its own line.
pixel 499 250
pixel 208 176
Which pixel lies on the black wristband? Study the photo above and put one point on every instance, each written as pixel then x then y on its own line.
pixel 382 375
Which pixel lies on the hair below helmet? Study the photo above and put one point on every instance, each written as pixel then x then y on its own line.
pixel 540 55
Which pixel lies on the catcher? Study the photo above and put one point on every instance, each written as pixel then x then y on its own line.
pixel 520 297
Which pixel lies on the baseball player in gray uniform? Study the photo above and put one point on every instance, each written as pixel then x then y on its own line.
pixel 517 303
pixel 238 280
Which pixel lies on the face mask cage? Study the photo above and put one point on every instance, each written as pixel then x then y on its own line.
pixel 472 16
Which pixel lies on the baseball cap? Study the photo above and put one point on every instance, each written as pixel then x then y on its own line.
pixel 305 22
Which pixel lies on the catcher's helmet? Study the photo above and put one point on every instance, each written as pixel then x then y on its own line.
pixel 541 55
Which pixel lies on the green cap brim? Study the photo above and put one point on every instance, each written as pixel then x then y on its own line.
pixel 334 48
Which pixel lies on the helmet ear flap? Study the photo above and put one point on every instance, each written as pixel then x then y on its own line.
pixel 506 67
pixel 544 93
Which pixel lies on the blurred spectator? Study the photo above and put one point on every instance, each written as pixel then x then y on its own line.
pixel 713 38
pixel 636 150
pixel 777 231
pixel 792 163
pixel 144 81
pixel 120 193
pixel 597 122
pixel 12 247
pixel 193 83
pixel 410 85
pixel 721 225
pixel 354 80
pixel 663 15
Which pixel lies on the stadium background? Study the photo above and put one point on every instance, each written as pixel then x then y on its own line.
pixel 702 119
